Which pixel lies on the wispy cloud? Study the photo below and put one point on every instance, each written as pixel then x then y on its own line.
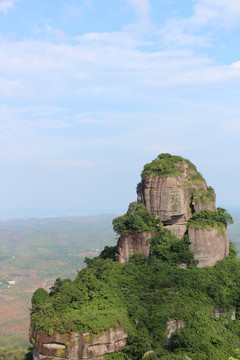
pixel 43 70
pixel 30 121
pixel 199 29
pixel 143 11
pixel 221 13
pixel 73 9
pixel 7 5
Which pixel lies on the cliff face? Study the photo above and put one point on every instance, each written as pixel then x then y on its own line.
pixel 133 243
pixel 77 346
pixel 208 245
pixel 172 198
pixel 172 189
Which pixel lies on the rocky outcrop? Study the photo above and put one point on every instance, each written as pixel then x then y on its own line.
pixel 172 326
pixel 178 230
pixel 220 312
pixel 172 198
pixel 77 346
pixel 129 244
pixel 208 245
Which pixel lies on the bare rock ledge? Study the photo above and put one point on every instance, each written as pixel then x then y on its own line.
pixel 77 346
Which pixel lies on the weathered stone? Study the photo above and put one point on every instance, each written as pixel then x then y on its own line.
pixel 178 230
pixel 173 325
pixel 182 266
pixel 220 312
pixel 77 346
pixel 165 197
pixel 171 198
pixel 208 245
pixel 129 244
pixel 174 200
pixel 199 206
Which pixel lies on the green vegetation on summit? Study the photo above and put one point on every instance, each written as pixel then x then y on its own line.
pixel 169 165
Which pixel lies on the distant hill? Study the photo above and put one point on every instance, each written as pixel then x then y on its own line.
pixel 34 253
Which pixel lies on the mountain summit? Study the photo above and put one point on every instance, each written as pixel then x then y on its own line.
pixel 175 192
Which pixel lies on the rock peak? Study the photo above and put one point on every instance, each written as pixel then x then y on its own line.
pixel 173 190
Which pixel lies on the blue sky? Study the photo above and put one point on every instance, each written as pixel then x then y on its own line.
pixel 92 90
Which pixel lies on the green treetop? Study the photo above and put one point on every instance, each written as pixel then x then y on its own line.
pixel 136 220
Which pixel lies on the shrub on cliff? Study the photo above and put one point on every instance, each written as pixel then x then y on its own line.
pixel 136 220
pixel 209 219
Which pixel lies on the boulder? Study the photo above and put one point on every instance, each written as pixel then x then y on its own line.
pixel 178 230
pixel 172 326
pixel 128 244
pixel 208 245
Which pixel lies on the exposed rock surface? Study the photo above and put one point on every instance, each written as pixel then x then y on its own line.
pixel 208 245
pixel 172 198
pixel 172 326
pixel 178 230
pixel 77 346
pixel 199 206
pixel 219 312
pixel 133 243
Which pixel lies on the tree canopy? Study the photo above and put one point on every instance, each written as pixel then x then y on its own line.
pixel 142 296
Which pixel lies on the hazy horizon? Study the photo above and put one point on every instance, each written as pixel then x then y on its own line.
pixel 26 214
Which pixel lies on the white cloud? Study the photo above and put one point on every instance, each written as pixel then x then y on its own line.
pixel 200 29
pixel 26 122
pixel 9 87
pixel 142 9
pixel 180 33
pixel 73 9
pixel 44 70
pixel 219 12
pixel 236 64
pixel 108 64
pixel 6 5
